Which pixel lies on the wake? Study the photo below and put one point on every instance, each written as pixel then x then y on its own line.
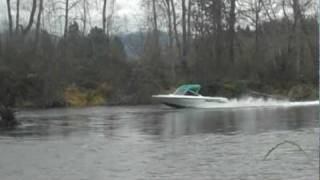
pixel 261 102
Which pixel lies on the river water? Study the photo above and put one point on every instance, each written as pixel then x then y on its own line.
pixel 156 142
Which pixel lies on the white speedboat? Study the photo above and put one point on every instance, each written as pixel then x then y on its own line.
pixel 187 96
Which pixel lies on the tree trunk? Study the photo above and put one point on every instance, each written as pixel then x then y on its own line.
pixel 232 20
pixel 66 19
pixel 171 54
pixel 31 18
pixel 168 8
pixel 257 28
pixel 297 35
pixel 17 16
pixel 39 21
pixel 110 19
pixel 218 44
pixel 155 29
pixel 174 16
pixel 155 20
pixel 184 32
pixel 84 17
pixel 256 55
pixel 104 16
pixel 189 24
pixel 9 16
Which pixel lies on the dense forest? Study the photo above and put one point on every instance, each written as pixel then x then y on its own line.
pixel 230 47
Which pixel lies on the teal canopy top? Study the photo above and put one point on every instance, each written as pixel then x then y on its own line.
pixel 188 89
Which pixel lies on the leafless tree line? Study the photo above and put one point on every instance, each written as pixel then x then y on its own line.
pixel 58 11
pixel 220 21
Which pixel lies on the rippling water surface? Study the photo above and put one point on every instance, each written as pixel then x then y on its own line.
pixel 155 142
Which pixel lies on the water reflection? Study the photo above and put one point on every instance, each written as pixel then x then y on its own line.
pixel 231 121
pixel 160 122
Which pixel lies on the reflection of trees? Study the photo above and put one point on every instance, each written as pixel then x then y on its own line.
pixel 186 122
pixel 152 124
pixel 252 121
pixel 300 117
pixel 111 126
pixel 162 124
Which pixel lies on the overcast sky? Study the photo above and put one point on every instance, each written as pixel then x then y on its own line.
pixel 130 13
pixel 128 7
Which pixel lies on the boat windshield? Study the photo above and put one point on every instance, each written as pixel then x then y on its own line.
pixel 190 89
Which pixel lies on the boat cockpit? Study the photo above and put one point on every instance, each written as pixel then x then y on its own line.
pixel 188 90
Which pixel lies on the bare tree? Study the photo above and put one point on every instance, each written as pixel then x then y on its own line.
pixel 184 31
pixel 17 15
pixel 232 20
pixel 257 9
pixel 9 16
pixel 110 18
pixel 218 34
pixel 271 15
pixel 155 17
pixel 297 15
pixel 189 22
pixel 104 16
pixel 155 36
pixel 283 5
pixel 174 16
pixel 171 54
pixel 39 21
pixel 66 19
pixel 84 17
pixel 168 12
pixel 31 18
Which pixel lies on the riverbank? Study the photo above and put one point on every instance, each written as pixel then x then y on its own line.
pixel 79 97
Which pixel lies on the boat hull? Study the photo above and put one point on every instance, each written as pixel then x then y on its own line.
pixel 185 101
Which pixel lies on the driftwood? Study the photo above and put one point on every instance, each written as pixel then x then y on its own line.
pixel 293 144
